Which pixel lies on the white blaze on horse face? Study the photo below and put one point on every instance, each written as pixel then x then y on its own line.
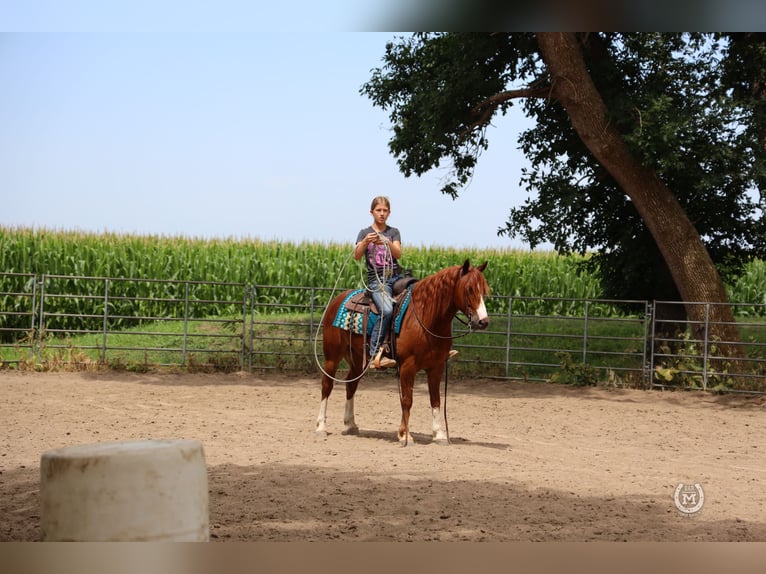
pixel 481 311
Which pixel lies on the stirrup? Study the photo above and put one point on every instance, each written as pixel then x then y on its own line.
pixel 381 362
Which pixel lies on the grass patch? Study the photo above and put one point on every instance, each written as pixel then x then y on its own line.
pixel 607 351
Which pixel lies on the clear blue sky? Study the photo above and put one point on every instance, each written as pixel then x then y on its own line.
pixel 229 118
pixel 222 134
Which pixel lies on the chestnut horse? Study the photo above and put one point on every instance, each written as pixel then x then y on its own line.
pixel 423 343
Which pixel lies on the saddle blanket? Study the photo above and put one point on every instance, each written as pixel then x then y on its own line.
pixel 353 321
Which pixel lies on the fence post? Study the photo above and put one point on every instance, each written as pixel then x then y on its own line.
pixel 186 321
pixel 106 319
pixel 647 362
pixel 508 337
pixel 34 306
pixel 245 298
pixel 311 320
pixel 705 362
pixel 252 294
pixel 585 334
pixel 32 328
pixel 651 341
pixel 41 325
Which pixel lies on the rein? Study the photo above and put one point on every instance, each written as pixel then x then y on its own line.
pixel 427 330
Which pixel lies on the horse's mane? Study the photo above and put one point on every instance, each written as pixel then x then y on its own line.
pixel 435 292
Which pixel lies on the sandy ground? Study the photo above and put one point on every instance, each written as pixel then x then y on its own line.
pixel 526 462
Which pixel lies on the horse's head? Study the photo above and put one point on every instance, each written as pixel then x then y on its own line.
pixel 469 296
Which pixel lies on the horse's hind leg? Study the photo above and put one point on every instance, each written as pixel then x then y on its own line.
pixel 327 384
pixel 331 364
pixel 337 347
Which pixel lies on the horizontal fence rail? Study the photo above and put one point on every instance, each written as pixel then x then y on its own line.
pixel 53 320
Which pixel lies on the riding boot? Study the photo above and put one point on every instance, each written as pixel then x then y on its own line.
pixel 382 359
pixel 381 362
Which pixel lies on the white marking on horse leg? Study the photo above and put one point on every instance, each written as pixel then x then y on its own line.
pixel 438 426
pixel 322 418
pixel 348 418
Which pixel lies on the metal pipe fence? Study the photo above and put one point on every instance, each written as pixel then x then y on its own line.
pixel 18 297
pixel 573 340
pixel 126 323
pixel 685 351
pixel 54 320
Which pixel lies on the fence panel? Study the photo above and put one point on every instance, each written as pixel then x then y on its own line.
pixel 571 340
pixel 686 355
pixel 18 300
pixel 141 323
pixel 134 323
pixel 284 326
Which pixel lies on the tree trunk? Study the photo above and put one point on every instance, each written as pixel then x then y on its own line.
pixel 679 242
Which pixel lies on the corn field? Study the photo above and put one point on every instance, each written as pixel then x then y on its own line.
pixel 511 273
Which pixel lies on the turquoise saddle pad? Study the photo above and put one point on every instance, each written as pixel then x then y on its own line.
pixel 353 321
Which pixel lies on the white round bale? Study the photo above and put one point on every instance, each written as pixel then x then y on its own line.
pixel 148 490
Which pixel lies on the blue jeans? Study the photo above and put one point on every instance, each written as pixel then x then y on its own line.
pixel 384 301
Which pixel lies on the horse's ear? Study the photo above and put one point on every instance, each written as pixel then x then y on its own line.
pixel 466 267
pixel 482 267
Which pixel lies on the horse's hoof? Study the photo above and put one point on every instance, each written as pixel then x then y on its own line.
pixel 406 441
pixel 351 431
pixel 320 434
pixel 441 441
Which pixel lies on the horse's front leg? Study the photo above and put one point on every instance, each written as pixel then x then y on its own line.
pixel 438 424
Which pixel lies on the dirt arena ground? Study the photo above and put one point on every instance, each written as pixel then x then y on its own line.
pixel 527 462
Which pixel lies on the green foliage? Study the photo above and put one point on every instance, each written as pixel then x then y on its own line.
pixel 431 84
pixel 307 264
pixel 547 292
pixel 155 275
pixel 163 264
pixel 573 373
pixel 750 287
pixel 666 95
pixel 683 366
pixel 690 108
pixel 688 365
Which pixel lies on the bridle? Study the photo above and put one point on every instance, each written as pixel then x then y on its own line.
pixel 467 323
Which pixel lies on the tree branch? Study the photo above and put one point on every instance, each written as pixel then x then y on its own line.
pixel 483 111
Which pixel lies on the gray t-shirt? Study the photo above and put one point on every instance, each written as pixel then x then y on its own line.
pixel 378 258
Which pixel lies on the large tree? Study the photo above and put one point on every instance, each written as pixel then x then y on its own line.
pixel 638 152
